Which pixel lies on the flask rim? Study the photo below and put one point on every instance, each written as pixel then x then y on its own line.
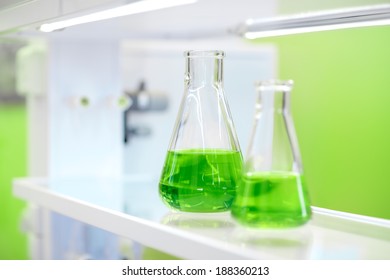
pixel 274 85
pixel 204 53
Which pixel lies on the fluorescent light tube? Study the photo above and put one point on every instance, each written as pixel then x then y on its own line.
pixel 300 30
pixel 315 22
pixel 129 9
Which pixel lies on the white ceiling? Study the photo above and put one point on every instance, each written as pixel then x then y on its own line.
pixel 204 19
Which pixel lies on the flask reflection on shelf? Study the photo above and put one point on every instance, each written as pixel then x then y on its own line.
pixel 294 243
pixel 198 220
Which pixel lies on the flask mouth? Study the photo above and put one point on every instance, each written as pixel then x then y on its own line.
pixel 204 53
pixel 274 85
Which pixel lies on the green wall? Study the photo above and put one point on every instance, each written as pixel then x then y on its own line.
pixel 13 159
pixel 341 109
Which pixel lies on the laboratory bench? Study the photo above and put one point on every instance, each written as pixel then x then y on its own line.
pixel 131 208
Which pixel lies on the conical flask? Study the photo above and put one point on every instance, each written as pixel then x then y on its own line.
pixel 204 161
pixel 272 191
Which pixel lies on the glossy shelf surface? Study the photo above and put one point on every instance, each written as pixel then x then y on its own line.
pixel 131 207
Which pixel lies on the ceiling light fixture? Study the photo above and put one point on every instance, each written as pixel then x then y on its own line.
pixel 314 22
pixel 129 9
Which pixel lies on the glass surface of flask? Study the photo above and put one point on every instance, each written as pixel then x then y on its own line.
pixel 204 160
pixel 272 191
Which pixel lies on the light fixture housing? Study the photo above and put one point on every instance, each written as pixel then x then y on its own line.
pixel 315 21
pixel 124 10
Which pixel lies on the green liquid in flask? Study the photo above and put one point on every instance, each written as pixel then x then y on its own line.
pixel 200 180
pixel 272 199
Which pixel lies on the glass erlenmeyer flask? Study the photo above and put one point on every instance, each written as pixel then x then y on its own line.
pixel 272 191
pixel 204 161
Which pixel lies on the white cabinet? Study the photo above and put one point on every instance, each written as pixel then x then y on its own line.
pixel 132 208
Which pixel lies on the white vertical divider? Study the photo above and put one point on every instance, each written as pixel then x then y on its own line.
pixel 86 140
pixel 32 81
pixel 69 138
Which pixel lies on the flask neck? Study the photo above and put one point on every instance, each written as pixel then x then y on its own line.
pixel 273 98
pixel 204 70
pixel 274 145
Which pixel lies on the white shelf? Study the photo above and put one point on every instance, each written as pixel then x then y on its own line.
pixel 132 208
